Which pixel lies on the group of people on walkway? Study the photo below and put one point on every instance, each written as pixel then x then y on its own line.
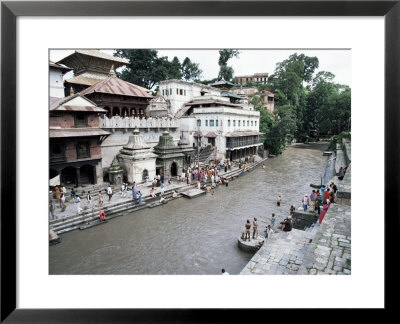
pixel 320 200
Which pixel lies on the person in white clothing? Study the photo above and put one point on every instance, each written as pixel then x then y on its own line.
pixel 224 272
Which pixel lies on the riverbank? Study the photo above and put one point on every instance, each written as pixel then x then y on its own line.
pixel 318 249
pixel 69 220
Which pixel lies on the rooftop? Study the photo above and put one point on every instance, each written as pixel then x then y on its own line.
pixel 114 85
pixel 95 53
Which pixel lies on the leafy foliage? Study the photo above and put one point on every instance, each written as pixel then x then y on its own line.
pixel 225 71
pixel 147 69
pixel 308 103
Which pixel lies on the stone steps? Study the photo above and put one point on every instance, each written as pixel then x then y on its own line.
pixel 283 253
pixel 69 223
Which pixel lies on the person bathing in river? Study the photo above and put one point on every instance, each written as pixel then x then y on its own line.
pixel 278 202
pixel 273 219
pixel 263 167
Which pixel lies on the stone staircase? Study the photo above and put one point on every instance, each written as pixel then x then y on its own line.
pixel 282 253
pixel 66 224
pixel 205 154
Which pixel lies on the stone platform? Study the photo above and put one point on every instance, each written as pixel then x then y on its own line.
pixel 250 246
pixel 192 193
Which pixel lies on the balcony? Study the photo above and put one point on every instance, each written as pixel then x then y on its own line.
pixel 243 143
pixel 132 123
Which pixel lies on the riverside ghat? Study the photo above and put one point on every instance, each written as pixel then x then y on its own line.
pixel 186 236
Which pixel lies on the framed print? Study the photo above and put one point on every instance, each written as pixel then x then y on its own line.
pixel 34 289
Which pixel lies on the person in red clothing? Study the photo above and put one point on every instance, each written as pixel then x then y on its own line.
pixel 102 215
pixel 323 212
pixel 326 194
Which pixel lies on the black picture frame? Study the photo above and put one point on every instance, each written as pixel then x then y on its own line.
pixel 11 10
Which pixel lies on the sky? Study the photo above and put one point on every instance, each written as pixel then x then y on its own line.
pixel 249 62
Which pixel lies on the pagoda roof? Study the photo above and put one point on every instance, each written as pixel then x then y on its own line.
pixel 87 78
pixel 61 104
pixel 221 83
pixel 116 86
pixel 59 66
pixel 76 132
pixel 95 53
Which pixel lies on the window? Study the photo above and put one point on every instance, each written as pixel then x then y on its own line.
pixel 163 93
pixel 248 123
pixel 170 91
pixel 82 150
pixel 81 120
pixel 206 122
pixel 212 122
pixel 184 92
pixel 229 123
pixel 255 123
pixel 251 123
pixel 198 122
pixel 181 92
pixel 216 123
pixel 238 123
pixel 177 91
pixel 244 123
pixel 57 152
pixel 234 123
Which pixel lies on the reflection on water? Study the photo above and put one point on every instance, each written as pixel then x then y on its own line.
pixel 197 236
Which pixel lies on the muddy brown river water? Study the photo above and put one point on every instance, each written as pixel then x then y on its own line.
pixel 193 236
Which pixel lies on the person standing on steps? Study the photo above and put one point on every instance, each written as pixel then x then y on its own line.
pixel 140 198
pixel 100 199
pixel 109 192
pixel 73 195
pixel 134 196
pixel 62 199
pixel 305 202
pixel 273 220
pixel 78 204
pixel 89 199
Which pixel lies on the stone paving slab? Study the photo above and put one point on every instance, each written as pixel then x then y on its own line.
pixel 325 250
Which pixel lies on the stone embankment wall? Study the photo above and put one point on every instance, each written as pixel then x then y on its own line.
pixel 310 248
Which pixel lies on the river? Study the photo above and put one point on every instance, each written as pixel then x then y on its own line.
pixel 193 236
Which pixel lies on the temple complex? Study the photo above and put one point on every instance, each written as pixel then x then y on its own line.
pixel 137 159
pixel 171 158
pixel 90 67
pixel 75 139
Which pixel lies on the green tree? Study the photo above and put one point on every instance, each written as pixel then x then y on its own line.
pixel 147 69
pixel 225 71
pixel 190 70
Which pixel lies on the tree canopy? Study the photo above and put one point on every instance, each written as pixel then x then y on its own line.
pixel 225 71
pixel 147 69
pixel 309 102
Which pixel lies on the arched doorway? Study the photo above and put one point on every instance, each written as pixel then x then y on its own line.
pixel 174 169
pixel 145 174
pixel 87 174
pixel 116 111
pixel 108 111
pixel 133 112
pixel 125 112
pixel 68 176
